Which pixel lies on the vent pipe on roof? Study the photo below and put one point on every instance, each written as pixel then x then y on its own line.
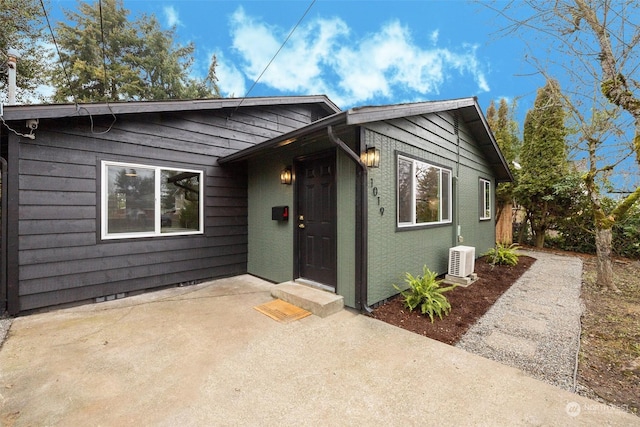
pixel 11 72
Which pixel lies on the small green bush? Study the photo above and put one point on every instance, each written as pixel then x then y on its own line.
pixel 502 254
pixel 425 291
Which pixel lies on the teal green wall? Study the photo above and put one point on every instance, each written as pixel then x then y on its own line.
pixel 346 229
pixel 270 242
pixel 393 252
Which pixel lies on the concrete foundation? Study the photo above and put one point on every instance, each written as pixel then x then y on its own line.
pixel 460 281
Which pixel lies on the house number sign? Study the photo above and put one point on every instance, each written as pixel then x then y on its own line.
pixel 374 191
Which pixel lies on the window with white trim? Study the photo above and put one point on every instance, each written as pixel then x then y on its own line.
pixel 485 199
pixel 147 201
pixel 424 193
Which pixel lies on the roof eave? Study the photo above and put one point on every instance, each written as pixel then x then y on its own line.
pixel 363 115
pixel 52 111
pixel 502 162
pixel 389 112
pixel 285 139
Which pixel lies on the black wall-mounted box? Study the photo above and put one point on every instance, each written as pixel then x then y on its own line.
pixel 280 213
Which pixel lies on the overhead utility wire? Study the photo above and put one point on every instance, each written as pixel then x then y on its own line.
pixel 104 54
pixel 274 56
pixel 25 135
pixel 73 95
pixel 106 79
pixel 30 135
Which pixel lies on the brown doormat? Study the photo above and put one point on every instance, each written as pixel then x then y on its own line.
pixel 282 311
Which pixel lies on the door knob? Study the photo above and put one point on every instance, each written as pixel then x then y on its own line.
pixel 300 225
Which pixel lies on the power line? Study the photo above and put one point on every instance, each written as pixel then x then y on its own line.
pixel 104 55
pixel 274 56
pixel 64 69
pixel 44 10
pixel 106 79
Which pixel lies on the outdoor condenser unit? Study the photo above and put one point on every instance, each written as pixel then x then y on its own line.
pixel 462 261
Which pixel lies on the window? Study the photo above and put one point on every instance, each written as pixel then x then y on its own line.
pixel 424 193
pixel 147 201
pixel 485 199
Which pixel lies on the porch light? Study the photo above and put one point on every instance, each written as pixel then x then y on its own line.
pixel 131 172
pixel 285 176
pixel 371 157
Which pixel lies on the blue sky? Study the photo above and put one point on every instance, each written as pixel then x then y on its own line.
pixel 356 52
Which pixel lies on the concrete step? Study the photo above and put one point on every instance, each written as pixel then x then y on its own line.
pixel 318 302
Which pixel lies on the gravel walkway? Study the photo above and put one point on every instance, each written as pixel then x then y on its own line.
pixel 535 325
pixel 5 324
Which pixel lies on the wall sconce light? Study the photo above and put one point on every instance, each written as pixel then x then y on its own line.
pixel 285 176
pixel 371 157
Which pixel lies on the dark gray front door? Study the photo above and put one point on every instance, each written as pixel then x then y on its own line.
pixel 316 219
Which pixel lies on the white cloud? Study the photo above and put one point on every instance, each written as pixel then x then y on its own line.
pixel 321 57
pixel 231 81
pixel 434 36
pixel 171 15
pixel 300 65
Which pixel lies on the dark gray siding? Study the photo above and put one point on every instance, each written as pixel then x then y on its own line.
pixel 62 258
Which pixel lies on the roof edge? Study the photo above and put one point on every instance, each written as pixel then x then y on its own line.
pixel 286 138
pixel 52 111
pixel 367 114
pixel 494 143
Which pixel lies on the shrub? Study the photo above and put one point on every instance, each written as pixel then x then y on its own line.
pixel 575 232
pixel 502 254
pixel 425 291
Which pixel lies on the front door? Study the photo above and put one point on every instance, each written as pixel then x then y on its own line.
pixel 316 219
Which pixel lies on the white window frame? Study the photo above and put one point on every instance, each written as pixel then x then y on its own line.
pixel 442 172
pixel 104 196
pixel 485 199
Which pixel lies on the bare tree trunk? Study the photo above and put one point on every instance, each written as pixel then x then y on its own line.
pixel 522 228
pixel 538 238
pixel 604 264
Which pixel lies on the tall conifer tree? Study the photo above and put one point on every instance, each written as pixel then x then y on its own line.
pixel 505 130
pixel 596 45
pixel 111 58
pixel 544 161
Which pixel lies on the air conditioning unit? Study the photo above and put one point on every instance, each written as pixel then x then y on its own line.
pixel 461 261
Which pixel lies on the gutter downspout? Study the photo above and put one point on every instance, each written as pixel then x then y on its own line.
pixel 361 215
pixel 3 239
pixel 457 231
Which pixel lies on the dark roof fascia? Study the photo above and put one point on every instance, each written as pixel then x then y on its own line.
pixel 370 114
pixel 486 139
pixel 498 160
pixel 354 116
pixel 53 111
pixel 363 115
pixel 285 139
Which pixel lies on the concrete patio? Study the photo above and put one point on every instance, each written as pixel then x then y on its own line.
pixel 202 355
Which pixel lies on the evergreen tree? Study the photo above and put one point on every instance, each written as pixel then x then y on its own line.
pixel 596 44
pixel 544 162
pixel 109 57
pixel 22 30
pixel 505 130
